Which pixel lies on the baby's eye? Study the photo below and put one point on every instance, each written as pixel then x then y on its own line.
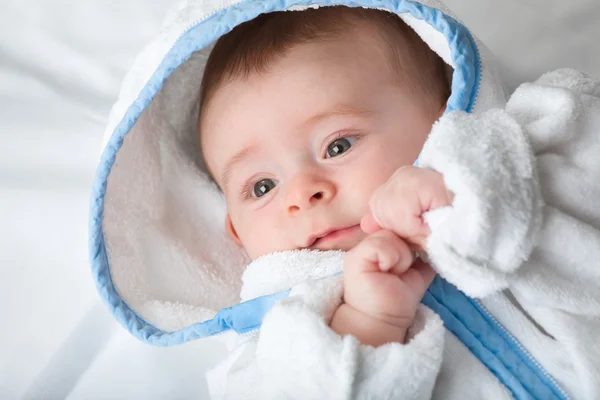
pixel 339 146
pixel 263 187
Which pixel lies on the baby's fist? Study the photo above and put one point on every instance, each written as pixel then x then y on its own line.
pixel 382 279
pixel 399 204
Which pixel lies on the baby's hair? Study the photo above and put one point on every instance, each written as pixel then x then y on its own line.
pixel 253 46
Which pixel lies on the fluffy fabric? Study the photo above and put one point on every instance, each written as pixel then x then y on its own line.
pixel 297 356
pixel 281 271
pixel 165 228
pixel 526 216
pixel 496 214
pixel 320 364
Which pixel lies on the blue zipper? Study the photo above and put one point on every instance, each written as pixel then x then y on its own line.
pixel 491 343
pixel 550 381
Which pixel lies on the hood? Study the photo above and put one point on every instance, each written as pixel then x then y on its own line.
pixel 158 249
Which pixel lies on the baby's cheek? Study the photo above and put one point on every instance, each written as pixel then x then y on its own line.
pixel 374 177
pixel 256 242
pixel 263 237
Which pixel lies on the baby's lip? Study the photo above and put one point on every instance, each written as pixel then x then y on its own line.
pixel 329 233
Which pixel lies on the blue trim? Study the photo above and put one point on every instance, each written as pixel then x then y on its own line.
pixel 464 90
pixel 503 338
pixel 488 341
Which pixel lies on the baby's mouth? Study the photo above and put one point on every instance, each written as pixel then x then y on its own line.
pixel 328 239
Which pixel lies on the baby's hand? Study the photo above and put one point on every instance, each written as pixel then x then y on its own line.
pixel 383 286
pixel 399 204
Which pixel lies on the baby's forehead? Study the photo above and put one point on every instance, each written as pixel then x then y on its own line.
pixel 253 46
pixel 309 83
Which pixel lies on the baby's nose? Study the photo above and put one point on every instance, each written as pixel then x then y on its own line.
pixel 308 192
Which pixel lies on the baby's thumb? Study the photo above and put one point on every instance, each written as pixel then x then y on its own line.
pixel 368 224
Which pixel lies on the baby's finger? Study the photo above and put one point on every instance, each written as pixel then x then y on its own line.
pixel 419 277
pixel 392 253
pixel 406 258
pixel 380 251
pixel 397 208
pixel 368 224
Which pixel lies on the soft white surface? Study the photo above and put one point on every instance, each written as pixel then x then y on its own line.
pixel 60 67
pixel 61 63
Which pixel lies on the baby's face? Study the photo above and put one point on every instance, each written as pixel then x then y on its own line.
pixel 300 149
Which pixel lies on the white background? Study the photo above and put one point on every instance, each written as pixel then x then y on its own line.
pixel 61 63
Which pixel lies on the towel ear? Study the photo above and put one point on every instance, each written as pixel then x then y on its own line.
pixel 231 232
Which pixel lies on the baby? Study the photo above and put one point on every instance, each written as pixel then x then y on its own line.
pixel 324 116
pixel 310 124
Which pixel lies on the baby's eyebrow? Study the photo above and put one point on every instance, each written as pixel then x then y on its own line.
pixel 339 110
pixel 236 159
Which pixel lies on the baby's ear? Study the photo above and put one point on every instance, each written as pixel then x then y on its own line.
pixel 231 232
